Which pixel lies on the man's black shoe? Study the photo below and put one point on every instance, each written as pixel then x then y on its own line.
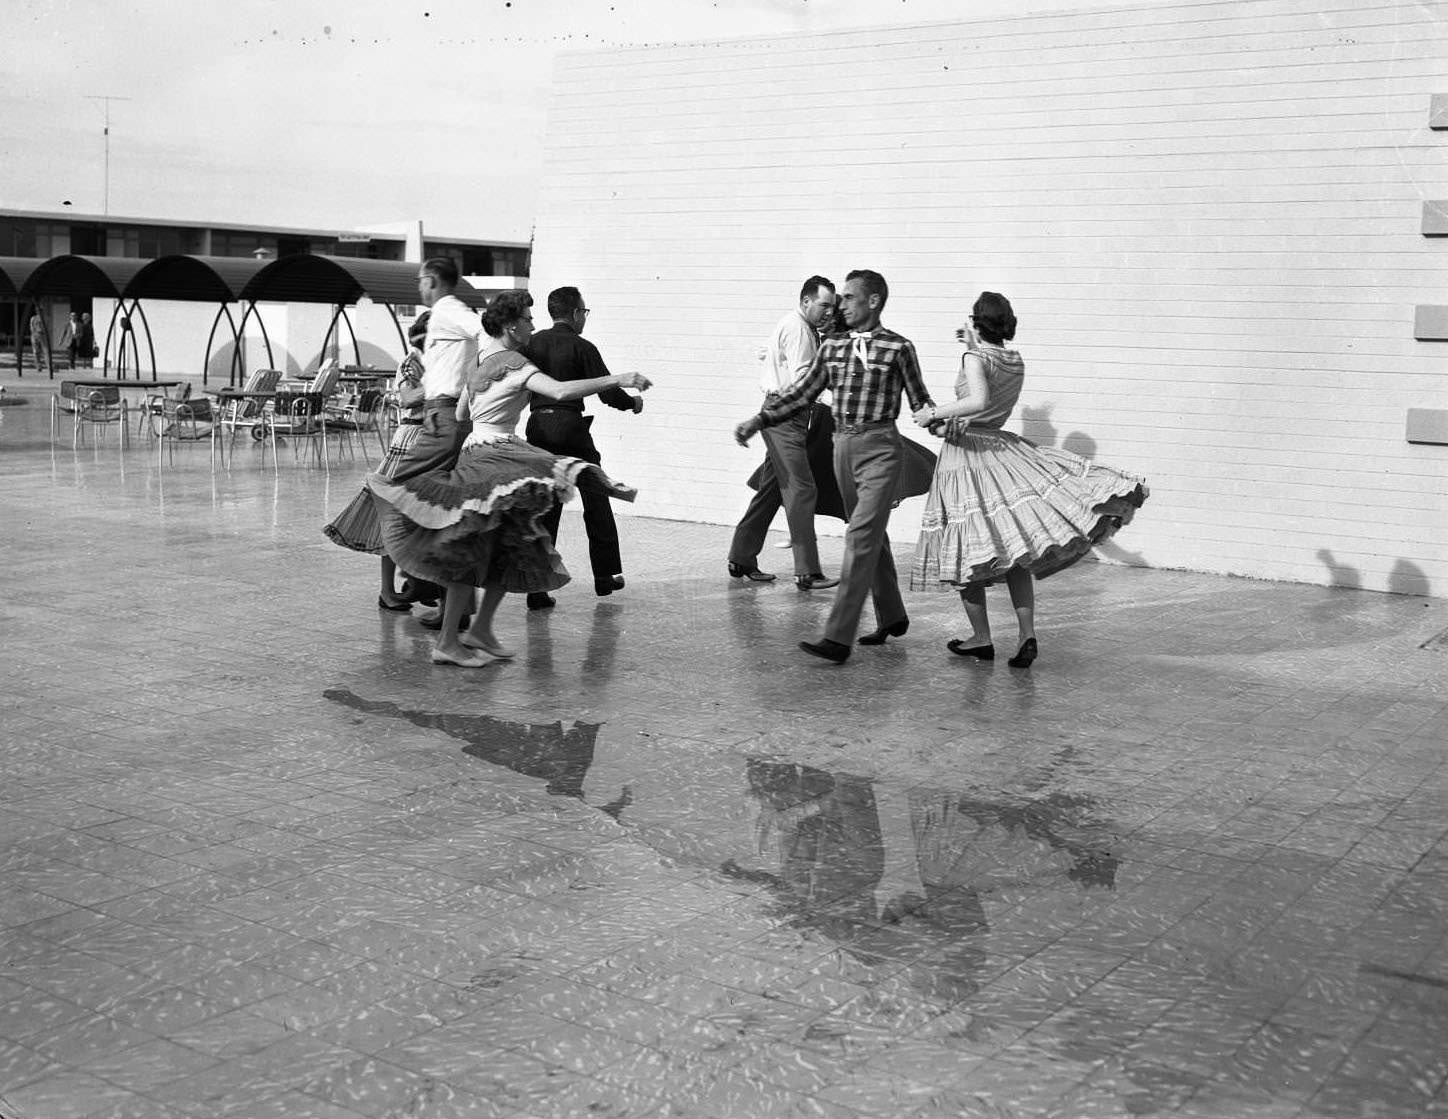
pixel 827 649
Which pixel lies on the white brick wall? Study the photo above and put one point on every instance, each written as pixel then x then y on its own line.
pixel 1207 214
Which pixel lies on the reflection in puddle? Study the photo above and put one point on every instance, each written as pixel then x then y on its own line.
pixel 893 875
pixel 544 750
pixel 903 879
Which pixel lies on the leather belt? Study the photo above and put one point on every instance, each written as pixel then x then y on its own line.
pixel 855 427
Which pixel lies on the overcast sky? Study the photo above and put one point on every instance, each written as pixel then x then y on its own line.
pixel 298 113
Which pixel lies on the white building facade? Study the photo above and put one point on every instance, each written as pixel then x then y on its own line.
pixel 1216 219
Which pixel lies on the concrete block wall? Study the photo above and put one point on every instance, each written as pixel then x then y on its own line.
pixel 1210 216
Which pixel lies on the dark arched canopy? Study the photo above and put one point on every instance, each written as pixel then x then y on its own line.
pixel 299 278
pixel 312 278
pixel 200 279
pixel 14 272
pixel 104 276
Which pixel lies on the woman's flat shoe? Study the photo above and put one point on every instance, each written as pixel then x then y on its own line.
pixel 393 607
pixel 980 652
pixel 894 629
pixel 464 661
pixel 498 651
pixel 1026 655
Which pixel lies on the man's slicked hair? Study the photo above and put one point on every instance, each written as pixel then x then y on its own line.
pixel 562 302
pixel 443 269
pixel 812 287
pixel 872 282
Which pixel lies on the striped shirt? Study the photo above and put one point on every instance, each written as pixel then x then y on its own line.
pixel 865 391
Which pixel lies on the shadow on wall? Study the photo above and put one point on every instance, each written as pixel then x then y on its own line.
pixel 218 369
pixel 1339 574
pixel 1406 577
pixel 1036 426
pixel 366 354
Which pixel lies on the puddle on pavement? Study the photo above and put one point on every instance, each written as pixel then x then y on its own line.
pixel 891 874
pixel 899 876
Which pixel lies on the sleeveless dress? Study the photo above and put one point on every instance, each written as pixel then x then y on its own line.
pixel 481 521
pixel 356 527
pixel 999 501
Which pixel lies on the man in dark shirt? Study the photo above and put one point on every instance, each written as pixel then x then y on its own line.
pixel 561 427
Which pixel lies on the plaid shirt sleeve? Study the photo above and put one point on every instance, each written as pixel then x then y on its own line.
pixel 799 395
pixel 914 382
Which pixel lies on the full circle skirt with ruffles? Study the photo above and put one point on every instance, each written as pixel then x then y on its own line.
pixel 999 501
pixel 481 522
pixel 356 526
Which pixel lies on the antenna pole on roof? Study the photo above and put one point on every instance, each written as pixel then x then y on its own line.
pixel 107 98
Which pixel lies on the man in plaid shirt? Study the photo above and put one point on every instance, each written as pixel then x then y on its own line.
pixel 865 372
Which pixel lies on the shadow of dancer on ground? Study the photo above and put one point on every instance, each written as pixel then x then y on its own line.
pixel 559 756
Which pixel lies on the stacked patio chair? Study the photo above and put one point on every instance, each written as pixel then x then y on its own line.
pixel 246 413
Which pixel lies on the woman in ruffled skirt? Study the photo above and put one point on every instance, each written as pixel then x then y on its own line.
pixel 479 524
pixel 356 527
pixel 1001 508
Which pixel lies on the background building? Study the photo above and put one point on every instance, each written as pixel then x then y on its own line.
pixel 1215 219
pixel 180 330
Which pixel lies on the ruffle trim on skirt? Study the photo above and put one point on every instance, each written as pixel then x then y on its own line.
pixel 1000 502
pixel 356 527
pixel 482 523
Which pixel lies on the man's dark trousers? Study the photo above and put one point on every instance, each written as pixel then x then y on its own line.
pixel 564 431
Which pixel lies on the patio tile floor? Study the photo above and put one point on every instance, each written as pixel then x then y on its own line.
pixel 262 858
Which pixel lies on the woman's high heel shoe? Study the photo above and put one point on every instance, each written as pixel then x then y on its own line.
pixel 980 652
pixel 1026 655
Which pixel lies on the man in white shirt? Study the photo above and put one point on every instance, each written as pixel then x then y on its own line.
pixel 449 354
pixel 791 349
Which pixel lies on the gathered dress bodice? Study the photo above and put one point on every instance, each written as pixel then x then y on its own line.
pixel 1005 373
pixel 497 394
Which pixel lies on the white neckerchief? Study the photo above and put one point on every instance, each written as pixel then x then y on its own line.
pixel 860 345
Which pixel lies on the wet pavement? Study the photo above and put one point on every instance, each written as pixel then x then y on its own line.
pixel 262 859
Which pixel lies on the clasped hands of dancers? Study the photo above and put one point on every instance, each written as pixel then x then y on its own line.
pixel 466 504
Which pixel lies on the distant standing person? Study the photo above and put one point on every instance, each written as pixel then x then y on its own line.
pixel 85 341
pixel 562 428
pixel 866 371
pixel 69 336
pixel 791 349
pixel 38 346
pixel 1001 508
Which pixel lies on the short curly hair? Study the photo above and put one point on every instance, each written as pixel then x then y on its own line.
pixel 994 319
pixel 506 308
